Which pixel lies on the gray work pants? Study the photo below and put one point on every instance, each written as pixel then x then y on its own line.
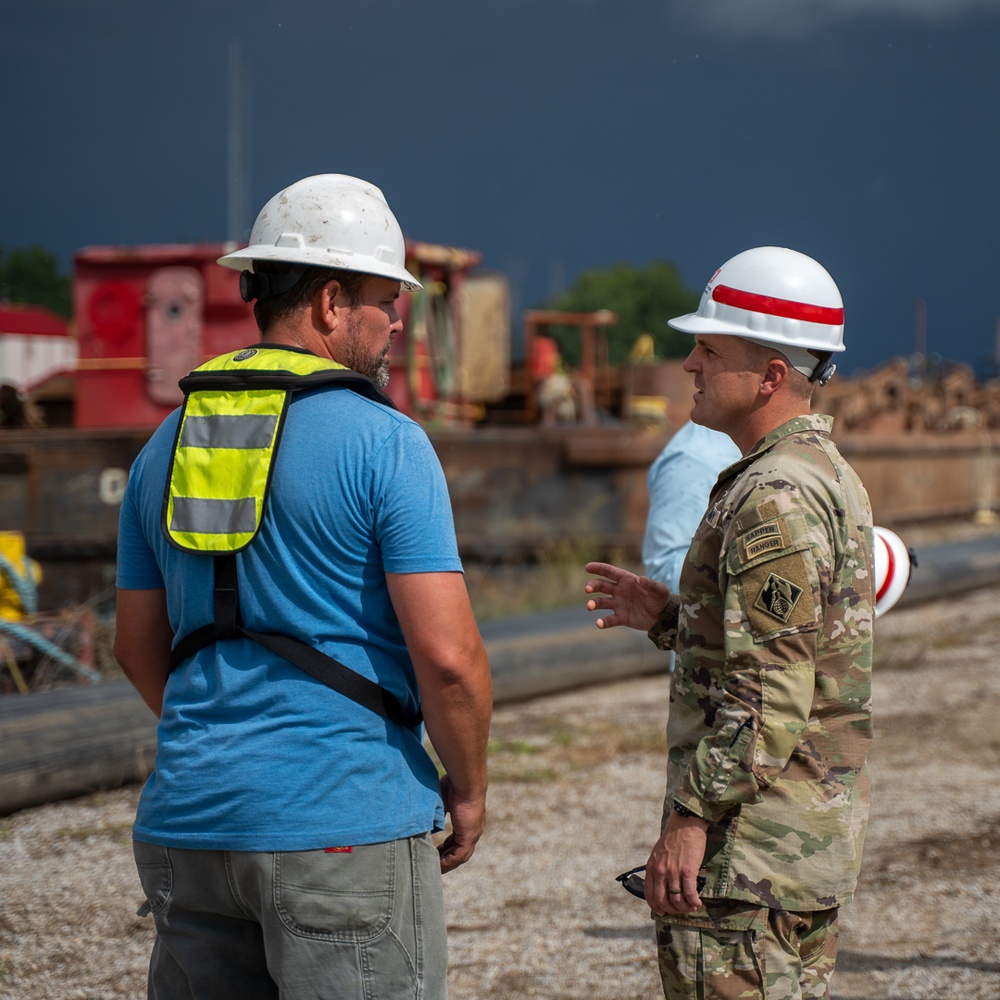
pixel 363 924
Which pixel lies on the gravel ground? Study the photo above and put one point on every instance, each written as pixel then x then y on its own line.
pixel 575 798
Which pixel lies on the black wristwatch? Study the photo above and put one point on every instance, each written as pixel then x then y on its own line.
pixel 684 811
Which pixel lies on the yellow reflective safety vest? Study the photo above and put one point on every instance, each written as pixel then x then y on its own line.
pixel 227 438
pixel 217 488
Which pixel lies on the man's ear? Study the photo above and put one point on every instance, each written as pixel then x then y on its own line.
pixel 774 376
pixel 326 306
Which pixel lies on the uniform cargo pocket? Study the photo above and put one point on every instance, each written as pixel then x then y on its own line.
pixel 787 696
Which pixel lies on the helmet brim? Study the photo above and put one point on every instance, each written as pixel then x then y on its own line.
pixel 695 324
pixel 242 260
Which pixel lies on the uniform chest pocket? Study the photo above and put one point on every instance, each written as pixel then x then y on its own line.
pixel 772 568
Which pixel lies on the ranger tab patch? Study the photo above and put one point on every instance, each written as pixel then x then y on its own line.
pixel 769 537
pixel 778 597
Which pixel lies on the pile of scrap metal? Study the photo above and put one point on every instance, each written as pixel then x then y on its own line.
pixel 913 395
pixel 33 651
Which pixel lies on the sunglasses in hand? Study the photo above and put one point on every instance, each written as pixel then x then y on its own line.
pixel 633 882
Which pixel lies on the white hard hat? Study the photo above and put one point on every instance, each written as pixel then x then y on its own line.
pixel 773 296
pixel 329 220
pixel 892 569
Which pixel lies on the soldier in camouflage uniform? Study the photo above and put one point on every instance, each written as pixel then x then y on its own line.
pixel 770 709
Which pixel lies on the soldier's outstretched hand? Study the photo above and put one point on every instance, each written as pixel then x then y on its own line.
pixel 635 601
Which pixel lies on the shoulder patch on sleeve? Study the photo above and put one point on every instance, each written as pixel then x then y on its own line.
pixel 777 595
pixel 766 532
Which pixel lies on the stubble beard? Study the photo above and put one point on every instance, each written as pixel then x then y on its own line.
pixel 379 372
pixel 375 367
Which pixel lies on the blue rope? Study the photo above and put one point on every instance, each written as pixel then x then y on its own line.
pixel 49 649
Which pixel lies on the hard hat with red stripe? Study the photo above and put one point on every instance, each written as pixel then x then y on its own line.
pixel 892 569
pixel 773 296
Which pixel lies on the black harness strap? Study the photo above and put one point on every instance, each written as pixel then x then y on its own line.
pixel 227 381
pixel 228 624
pixel 226 600
pixel 334 674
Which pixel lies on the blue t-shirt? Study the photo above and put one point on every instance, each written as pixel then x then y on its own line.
pixel 253 754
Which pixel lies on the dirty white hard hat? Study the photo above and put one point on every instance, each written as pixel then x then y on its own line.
pixel 328 220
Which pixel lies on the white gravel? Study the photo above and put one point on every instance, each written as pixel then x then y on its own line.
pixel 577 783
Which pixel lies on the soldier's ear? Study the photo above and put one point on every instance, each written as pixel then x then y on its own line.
pixel 774 376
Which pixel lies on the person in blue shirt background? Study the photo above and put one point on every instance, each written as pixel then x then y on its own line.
pixel 679 481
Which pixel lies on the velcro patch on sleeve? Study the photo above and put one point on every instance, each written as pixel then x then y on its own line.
pixel 757 515
pixel 778 595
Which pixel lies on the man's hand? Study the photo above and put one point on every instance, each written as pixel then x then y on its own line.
pixel 468 820
pixel 634 601
pixel 672 869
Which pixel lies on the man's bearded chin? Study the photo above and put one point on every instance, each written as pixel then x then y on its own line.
pixel 376 368
pixel 379 368
pixel 380 373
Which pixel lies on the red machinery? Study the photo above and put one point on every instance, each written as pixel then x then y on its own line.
pixel 147 315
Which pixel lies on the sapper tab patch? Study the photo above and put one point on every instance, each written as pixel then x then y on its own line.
pixel 778 597
pixel 769 537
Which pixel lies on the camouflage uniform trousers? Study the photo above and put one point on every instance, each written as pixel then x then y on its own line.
pixel 732 950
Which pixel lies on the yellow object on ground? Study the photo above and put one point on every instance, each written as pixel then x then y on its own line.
pixel 19 575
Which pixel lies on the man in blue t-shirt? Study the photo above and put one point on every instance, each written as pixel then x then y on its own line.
pixel 283 839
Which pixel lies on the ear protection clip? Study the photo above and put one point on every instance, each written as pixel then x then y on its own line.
pixel 823 373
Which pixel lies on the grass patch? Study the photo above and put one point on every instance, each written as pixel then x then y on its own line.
pixel 515 747
pixel 526 776
pixel 116 831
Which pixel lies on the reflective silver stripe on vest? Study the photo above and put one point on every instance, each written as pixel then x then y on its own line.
pixel 214 517
pixel 250 431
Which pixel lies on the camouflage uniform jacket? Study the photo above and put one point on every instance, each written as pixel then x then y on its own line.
pixel 770 709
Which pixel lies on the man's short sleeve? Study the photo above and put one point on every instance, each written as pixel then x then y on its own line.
pixel 136 568
pixel 414 523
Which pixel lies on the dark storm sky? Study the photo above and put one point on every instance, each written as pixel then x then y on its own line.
pixel 551 135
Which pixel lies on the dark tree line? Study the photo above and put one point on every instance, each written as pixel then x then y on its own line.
pixel 642 298
pixel 30 275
